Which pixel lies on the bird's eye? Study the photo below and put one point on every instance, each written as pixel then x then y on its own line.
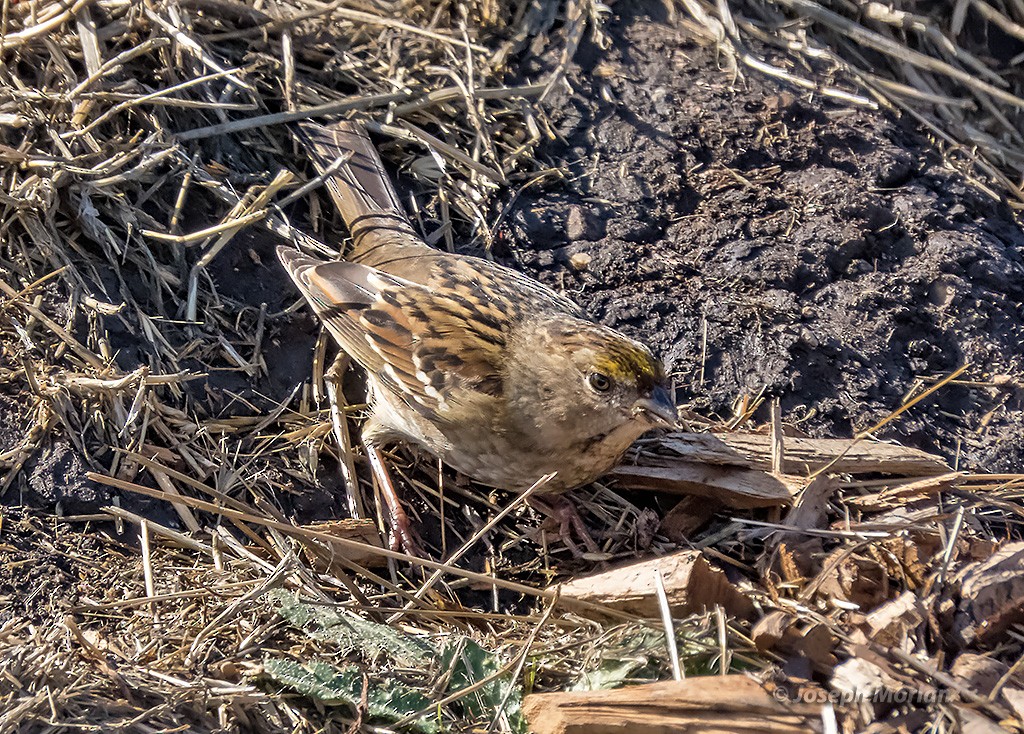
pixel 599 382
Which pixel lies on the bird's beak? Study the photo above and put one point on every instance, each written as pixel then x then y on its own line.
pixel 658 408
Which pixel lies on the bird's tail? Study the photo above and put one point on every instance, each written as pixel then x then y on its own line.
pixel 360 188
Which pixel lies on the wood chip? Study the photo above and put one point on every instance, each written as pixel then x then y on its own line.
pixel 794 638
pixel 852 579
pixel 1015 697
pixel 734 487
pixel 687 516
pixel 982 673
pixel 891 623
pixel 803 456
pixel 363 531
pixel 991 595
pixel 862 679
pixel 810 509
pixel 972 722
pixel 708 705
pixel 692 585
pixel 904 493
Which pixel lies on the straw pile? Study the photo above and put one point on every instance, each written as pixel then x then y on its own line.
pixel 138 139
pixel 141 143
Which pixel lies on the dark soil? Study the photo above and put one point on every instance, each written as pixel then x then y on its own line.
pixel 830 257
pixel 46 567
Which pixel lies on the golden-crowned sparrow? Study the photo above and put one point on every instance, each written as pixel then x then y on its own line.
pixel 497 375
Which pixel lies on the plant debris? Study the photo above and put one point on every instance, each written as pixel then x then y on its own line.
pixel 200 568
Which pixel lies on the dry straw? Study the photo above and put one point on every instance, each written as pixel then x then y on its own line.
pixel 140 144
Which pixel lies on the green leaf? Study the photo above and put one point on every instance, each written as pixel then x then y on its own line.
pixel 469 664
pixel 615 674
pixel 352 632
pixel 630 655
pixel 387 701
pixel 466 663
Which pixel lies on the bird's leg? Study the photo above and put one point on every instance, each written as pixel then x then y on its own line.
pixel 402 536
pixel 564 512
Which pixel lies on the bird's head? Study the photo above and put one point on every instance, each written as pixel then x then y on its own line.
pixel 596 381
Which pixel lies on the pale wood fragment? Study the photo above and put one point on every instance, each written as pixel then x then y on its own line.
pixel 360 530
pixel 732 486
pixel 803 456
pixel 973 722
pixel 891 623
pixel 732 704
pixel 903 494
pixel 810 511
pixel 740 469
pixel 692 585
pixel 983 674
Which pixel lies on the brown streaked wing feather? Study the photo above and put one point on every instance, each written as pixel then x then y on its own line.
pixel 385 240
pixel 336 291
pixel 403 333
pixel 447 358
pixel 494 292
pixel 360 188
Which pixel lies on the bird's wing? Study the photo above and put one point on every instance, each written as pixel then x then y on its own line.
pixel 431 349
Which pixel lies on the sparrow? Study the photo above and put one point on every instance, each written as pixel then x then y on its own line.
pixel 492 372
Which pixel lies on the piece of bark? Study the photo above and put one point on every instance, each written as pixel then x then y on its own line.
pixel 795 552
pixel 974 722
pixel 803 456
pixel 869 691
pixel 888 661
pixel 978 672
pixel 810 509
pixel 891 623
pixel 915 555
pixel 769 630
pixel 981 549
pixel 991 596
pixel 686 517
pixel 733 486
pixel 852 578
pixel 861 680
pixel 795 561
pixel 708 705
pixel 909 558
pixel 691 585
pixel 795 639
pixel 982 674
pixel 1015 698
pixel 363 531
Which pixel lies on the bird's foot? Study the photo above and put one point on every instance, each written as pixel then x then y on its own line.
pixel 401 536
pixel 563 512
